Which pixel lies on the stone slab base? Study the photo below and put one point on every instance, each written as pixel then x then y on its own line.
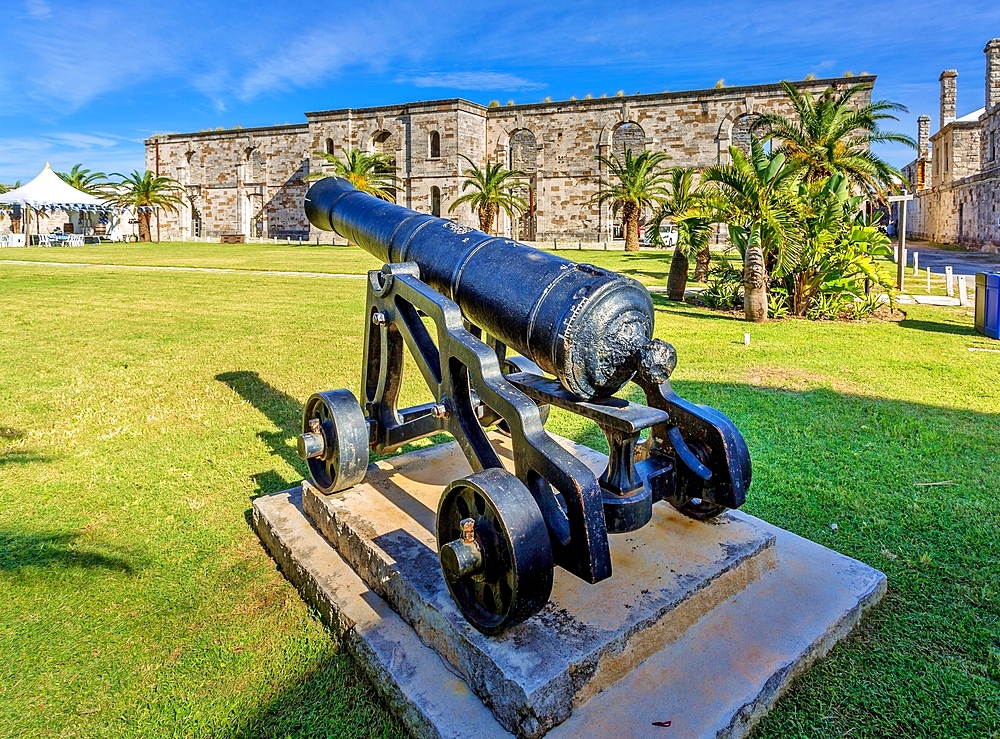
pixel 666 576
pixel 712 664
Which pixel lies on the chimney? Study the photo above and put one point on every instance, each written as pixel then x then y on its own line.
pixel 992 73
pixel 948 91
pixel 923 136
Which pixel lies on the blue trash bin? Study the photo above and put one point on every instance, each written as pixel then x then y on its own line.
pixel 991 323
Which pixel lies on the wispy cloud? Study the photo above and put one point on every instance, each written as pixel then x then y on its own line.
pixel 23 157
pixel 38 8
pixel 473 81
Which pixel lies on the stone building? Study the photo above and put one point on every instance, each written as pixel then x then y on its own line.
pixel 956 175
pixel 250 181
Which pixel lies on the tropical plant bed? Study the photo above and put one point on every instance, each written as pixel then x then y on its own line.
pixel 882 313
pixel 142 411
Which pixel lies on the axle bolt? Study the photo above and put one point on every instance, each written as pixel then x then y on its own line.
pixel 378 318
pixel 463 556
pixel 439 411
pixel 468 530
pixel 312 444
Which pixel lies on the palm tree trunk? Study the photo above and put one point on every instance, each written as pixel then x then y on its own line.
pixel 754 285
pixel 143 225
pixel 630 222
pixel 702 263
pixel 678 276
pixel 486 216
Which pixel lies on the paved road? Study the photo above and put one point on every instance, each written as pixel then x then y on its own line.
pixel 962 262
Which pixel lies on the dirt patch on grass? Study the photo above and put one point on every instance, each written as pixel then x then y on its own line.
pixel 795 380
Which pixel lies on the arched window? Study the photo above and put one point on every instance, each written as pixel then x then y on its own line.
pixel 255 168
pixel 329 146
pixel 436 201
pixel 524 151
pixel 628 135
pixel 740 135
pixel 384 143
pixel 435 145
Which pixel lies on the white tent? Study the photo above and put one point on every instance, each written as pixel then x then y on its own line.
pixel 49 192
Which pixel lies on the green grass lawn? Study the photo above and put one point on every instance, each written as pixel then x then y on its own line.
pixel 648 266
pixel 140 413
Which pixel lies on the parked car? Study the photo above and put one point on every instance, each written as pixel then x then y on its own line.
pixel 668 236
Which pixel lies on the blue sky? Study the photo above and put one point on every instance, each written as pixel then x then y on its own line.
pixel 88 81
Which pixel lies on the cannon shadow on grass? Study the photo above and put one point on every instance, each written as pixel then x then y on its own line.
pixel 20 551
pixel 940 327
pixel 283 411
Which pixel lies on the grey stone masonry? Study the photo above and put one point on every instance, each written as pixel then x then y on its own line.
pixel 251 181
pixel 992 52
pixel 923 135
pixel 949 88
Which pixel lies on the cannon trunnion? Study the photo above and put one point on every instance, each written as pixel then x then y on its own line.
pixel 460 301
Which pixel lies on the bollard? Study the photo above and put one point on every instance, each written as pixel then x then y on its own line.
pixel 916 261
pixel 928 279
pixel 579 245
pixel 605 245
pixel 949 282
pixel 963 292
pixel 555 244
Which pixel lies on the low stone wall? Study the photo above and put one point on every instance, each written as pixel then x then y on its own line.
pixel 964 212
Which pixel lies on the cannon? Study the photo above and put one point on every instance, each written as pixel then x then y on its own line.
pixel 501 332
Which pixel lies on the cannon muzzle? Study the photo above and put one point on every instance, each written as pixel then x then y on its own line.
pixel 588 326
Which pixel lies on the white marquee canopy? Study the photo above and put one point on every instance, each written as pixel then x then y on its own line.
pixel 48 191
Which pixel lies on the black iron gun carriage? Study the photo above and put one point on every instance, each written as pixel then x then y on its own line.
pixel 501 332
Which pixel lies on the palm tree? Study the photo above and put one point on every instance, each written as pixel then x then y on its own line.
pixel 492 189
pixel 370 173
pixel 15 225
pixel 831 134
pixel 92 183
pixel 757 199
pixel 640 183
pixel 690 210
pixel 144 192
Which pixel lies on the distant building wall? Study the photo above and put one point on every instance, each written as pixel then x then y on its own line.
pixel 252 181
pixel 960 202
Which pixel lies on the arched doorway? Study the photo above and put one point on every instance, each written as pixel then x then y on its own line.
pixel 524 158
pixel 629 136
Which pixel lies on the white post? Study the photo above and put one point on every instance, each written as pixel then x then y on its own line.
pixel 963 293
pixel 928 279
pixel 949 282
pixel 916 262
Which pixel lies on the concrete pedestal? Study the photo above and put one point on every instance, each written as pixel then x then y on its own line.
pixel 701 625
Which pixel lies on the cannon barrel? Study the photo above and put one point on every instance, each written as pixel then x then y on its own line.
pixel 588 326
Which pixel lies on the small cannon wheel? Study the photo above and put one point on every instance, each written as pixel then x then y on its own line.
pixel 334 440
pixel 692 507
pixel 494 549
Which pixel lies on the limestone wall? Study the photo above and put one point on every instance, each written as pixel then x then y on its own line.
pixel 245 181
pixel 965 212
pixel 251 181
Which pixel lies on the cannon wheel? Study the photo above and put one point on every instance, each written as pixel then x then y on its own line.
pixel 345 435
pixel 696 508
pixel 515 578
